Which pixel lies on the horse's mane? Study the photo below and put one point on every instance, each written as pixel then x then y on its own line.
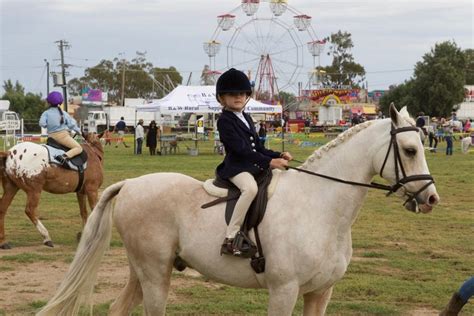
pixel 341 138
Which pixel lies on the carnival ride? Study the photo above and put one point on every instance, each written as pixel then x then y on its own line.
pixel 268 43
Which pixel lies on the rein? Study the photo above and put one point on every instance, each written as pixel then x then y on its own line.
pixel 398 166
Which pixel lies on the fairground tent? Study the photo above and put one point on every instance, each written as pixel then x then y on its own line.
pixel 198 99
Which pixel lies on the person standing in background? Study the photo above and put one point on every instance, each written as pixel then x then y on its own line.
pixel 448 137
pixel 467 126
pixel 120 128
pixel 262 133
pixel 139 136
pixel 432 134
pixel 152 137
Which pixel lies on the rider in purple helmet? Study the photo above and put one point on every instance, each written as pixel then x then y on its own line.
pixel 58 125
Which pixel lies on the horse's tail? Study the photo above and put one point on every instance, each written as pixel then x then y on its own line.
pixel 78 283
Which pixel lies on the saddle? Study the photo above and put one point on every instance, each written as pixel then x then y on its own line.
pixel 77 163
pixel 227 192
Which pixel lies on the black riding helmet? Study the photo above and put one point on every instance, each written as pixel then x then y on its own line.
pixel 233 80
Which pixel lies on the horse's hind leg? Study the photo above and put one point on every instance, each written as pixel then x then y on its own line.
pixel 9 192
pixel 130 296
pixel 154 273
pixel 31 207
pixel 81 199
pixel 282 299
pixel 315 303
pixel 92 197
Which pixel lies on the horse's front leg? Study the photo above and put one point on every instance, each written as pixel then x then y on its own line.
pixel 32 203
pixel 315 303
pixel 283 299
pixel 9 192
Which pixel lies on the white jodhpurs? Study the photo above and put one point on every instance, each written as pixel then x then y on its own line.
pixel 248 188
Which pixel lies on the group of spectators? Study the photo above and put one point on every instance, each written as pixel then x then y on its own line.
pixel 152 136
pixel 441 129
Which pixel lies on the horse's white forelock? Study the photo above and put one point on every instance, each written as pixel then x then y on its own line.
pixel 341 138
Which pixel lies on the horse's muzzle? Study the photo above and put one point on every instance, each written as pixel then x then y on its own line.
pixel 417 205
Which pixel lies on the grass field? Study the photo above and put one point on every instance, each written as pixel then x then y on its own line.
pixel 403 264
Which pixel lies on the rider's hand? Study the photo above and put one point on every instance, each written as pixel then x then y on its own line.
pixel 278 163
pixel 286 155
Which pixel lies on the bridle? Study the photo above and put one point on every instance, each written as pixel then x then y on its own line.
pixel 399 166
pixel 400 182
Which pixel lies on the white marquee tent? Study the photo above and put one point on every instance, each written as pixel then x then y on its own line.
pixel 198 99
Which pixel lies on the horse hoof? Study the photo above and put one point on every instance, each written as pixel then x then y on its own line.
pixel 78 236
pixel 179 264
pixel 5 246
pixel 49 243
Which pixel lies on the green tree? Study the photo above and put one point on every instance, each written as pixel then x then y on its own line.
pixel 29 106
pixel 286 98
pixel 400 95
pixel 439 80
pixel 469 55
pixel 142 79
pixel 343 71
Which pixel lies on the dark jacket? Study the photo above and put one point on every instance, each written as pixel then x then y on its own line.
pixel 151 137
pixel 243 150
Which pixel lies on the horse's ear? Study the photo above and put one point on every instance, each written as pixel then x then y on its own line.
pixel 394 113
pixel 404 112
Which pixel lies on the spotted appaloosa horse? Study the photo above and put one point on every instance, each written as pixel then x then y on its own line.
pixel 26 166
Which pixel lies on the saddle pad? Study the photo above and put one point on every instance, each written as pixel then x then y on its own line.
pixel 53 152
pixel 213 190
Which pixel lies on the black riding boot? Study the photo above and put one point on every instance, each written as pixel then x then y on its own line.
pixel 454 306
pixel 62 159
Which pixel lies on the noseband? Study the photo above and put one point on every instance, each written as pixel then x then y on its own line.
pixel 398 167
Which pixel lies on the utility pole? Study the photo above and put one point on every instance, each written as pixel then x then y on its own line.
pixel 47 76
pixel 122 93
pixel 63 45
pixel 122 100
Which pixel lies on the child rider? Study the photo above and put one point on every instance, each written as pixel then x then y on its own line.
pixel 245 156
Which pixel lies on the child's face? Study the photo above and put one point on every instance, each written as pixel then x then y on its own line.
pixel 234 101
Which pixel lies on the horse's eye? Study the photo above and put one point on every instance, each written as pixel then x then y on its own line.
pixel 410 152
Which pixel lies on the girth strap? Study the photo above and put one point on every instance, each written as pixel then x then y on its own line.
pixel 80 171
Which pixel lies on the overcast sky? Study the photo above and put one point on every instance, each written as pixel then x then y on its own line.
pixel 389 36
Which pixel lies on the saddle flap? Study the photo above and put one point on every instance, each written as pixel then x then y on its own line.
pixel 76 163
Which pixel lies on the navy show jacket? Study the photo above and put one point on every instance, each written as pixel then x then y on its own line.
pixel 244 151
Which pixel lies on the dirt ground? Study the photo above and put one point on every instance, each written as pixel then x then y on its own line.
pixel 30 282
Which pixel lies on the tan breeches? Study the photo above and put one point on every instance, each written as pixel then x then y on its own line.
pixel 65 139
pixel 248 188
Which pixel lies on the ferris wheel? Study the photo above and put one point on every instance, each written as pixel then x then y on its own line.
pixel 267 39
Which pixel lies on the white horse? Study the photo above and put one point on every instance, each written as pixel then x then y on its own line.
pixel 466 142
pixel 306 231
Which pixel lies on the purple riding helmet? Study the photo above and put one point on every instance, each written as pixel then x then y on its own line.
pixel 55 98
